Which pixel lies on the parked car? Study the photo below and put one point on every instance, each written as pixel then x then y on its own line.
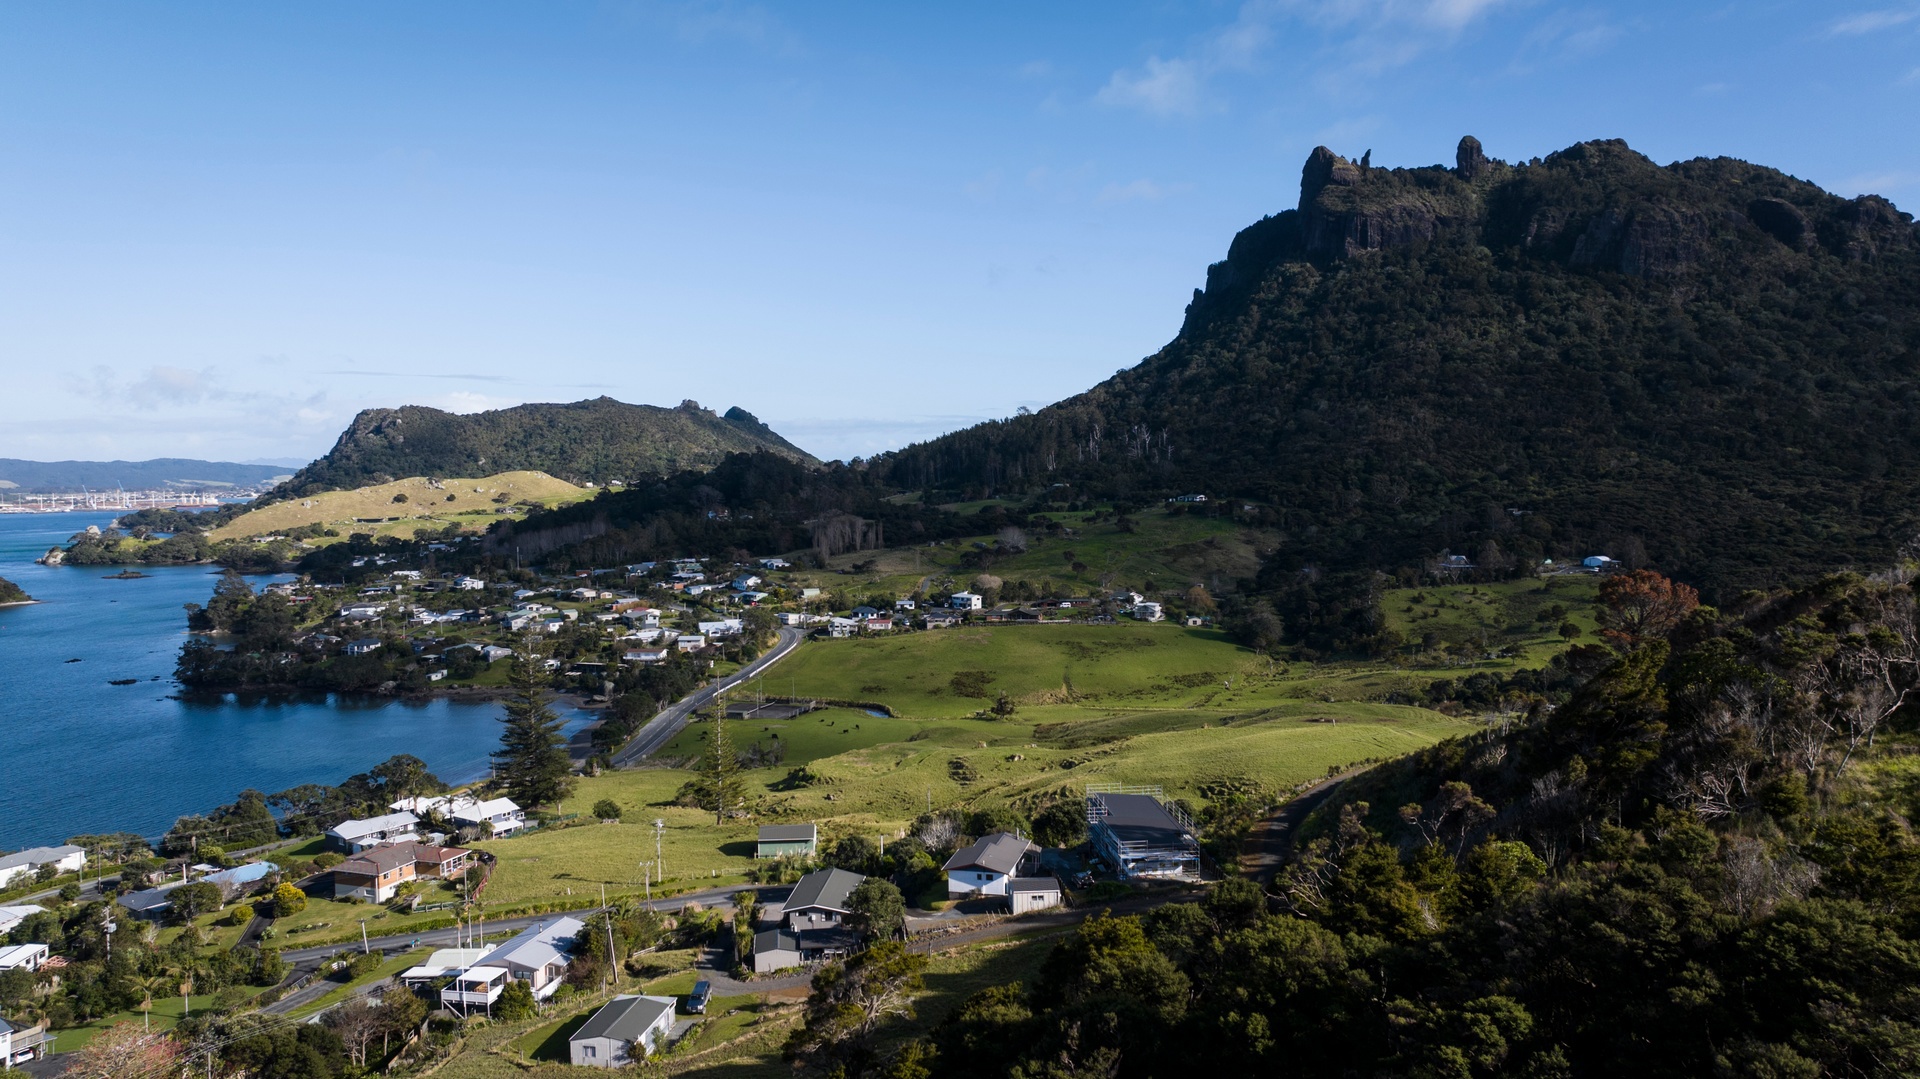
pixel 697 1000
pixel 1084 880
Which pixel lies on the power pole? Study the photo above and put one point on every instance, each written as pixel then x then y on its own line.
pixel 659 859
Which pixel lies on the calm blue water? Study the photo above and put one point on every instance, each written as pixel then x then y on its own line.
pixel 78 755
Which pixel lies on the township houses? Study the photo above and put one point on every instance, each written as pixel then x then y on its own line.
pixel 943 619
pixel 376 875
pixel 499 816
pixel 365 646
pixel 986 867
pixel 26 863
pixel 1140 836
pixel 538 956
pixel 690 642
pixel 965 601
pixel 354 836
pixel 645 655
pixel 623 1025
pixel 726 627
pixel 777 840
pixel 469 584
pixel 811 924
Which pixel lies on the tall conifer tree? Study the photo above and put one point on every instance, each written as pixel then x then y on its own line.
pixel 532 761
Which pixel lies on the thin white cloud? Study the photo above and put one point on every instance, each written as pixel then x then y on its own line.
pixel 466 401
pixel 1162 88
pixel 1868 22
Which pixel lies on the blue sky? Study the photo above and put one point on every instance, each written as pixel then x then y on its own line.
pixel 225 228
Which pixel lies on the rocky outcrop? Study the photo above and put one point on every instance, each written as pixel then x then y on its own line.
pixel 1781 220
pixel 1870 227
pixel 1339 219
pixel 1647 241
pixel 1469 161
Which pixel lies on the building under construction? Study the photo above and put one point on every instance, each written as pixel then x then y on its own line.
pixel 1138 833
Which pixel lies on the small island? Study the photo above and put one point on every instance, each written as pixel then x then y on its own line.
pixel 11 593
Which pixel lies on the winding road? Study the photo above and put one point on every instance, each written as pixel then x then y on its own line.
pixel 661 728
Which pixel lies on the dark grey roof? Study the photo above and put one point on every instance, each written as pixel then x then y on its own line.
pixel 775 940
pixel 1140 818
pixel 829 888
pixel 1000 852
pixel 6 1027
pixel 1034 884
pixel 623 1019
pixel 787 833
pixel 149 900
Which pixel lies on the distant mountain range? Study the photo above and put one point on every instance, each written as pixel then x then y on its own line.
pixel 584 442
pixel 1708 365
pixel 165 472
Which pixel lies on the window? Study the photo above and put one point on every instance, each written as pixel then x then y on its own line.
pixel 589 1051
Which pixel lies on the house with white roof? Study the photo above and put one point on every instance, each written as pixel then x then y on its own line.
pixel 500 815
pixel 12 916
pixel 23 957
pixel 538 956
pixel 469 584
pixel 726 627
pixel 354 836
pixel 1147 611
pixel 624 1024
pixel 964 601
pixel 26 863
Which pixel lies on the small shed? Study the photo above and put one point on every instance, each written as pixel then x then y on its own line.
pixel 782 839
pixel 1033 893
pixel 625 1029
pixel 775 949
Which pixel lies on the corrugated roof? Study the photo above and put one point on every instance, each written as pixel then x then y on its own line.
pixel 787 833
pixel 1034 884
pixel 829 888
pixel 350 829
pixel 537 945
pixel 1140 818
pixel 624 1019
pixel 38 856
pixel 1000 852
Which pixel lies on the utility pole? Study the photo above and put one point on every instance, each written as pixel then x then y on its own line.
pixel 659 859
pixel 364 949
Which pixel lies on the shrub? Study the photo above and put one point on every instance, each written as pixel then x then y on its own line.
pixel 288 901
pixel 328 860
pixel 606 809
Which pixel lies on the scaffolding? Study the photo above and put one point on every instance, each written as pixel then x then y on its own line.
pixel 1140 833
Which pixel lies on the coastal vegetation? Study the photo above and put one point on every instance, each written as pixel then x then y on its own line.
pixel 12 593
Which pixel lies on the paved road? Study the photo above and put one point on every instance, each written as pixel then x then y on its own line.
pixel 661 728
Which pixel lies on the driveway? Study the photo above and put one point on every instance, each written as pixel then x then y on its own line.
pixel 661 728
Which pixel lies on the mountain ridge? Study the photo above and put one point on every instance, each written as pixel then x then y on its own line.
pixel 1710 364
pixel 181 472
pixel 592 441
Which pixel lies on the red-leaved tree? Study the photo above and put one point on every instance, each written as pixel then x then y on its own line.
pixel 1642 605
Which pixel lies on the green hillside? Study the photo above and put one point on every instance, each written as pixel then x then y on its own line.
pixel 12 593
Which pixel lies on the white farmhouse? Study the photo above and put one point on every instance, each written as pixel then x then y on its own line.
pixel 986 867
pixel 354 836
pixel 964 601
pixel 499 815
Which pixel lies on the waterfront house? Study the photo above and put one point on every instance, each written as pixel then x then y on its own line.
pixel 539 956
pixel 499 816
pixel 27 863
pixel 624 1028
pixel 354 836
pixel 378 874
pixel 985 868
pixel 782 839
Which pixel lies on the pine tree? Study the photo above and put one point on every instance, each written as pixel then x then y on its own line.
pixel 720 774
pixel 532 762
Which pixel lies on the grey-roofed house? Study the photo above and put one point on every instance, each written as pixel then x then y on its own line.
pixel 538 956
pixel 354 836
pixel 810 928
pixel 820 899
pixel 64 859
pixel 777 840
pixel 775 949
pixel 1140 836
pixel 1033 893
pixel 985 867
pixel 609 1038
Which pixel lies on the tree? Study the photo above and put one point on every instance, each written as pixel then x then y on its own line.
pixel 288 900
pixel 358 1022
pixel 1640 605
pixel 877 909
pixel 1061 823
pixel 1003 706
pixel 849 1000
pixel 532 762
pixel 190 901
pixel 1568 631
pixel 720 772
pixel 121 1051
pixel 606 809
pixel 516 1001
pixel 855 854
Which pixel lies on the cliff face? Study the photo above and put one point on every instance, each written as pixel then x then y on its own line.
pixel 587 441
pixel 1710 360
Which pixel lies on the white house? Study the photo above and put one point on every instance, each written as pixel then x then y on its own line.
pixel 903 605
pixel 746 582
pixel 1596 562
pixel 493 651
pixel 12 916
pixel 64 859
pixel 363 647
pixel 443 805
pixel 354 836
pixel 1148 611
pixel 645 655
pixel 964 601
pixel 501 815
pixel 18 1045
pixel 539 956
pixel 469 584
pixel 1127 598
pixel 690 642
pixel 987 866
pixel 647 617
pixel 790 618
pixel 622 1025
pixel 727 627
pixel 23 957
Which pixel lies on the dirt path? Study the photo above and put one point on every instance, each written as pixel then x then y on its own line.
pixel 1271 841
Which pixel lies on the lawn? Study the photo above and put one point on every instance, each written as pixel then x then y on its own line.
pixel 1524 614
pixel 167 1012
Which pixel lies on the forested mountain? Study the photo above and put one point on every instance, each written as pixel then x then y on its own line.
pixel 12 593
pixel 174 472
pixel 584 442
pixel 1709 365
